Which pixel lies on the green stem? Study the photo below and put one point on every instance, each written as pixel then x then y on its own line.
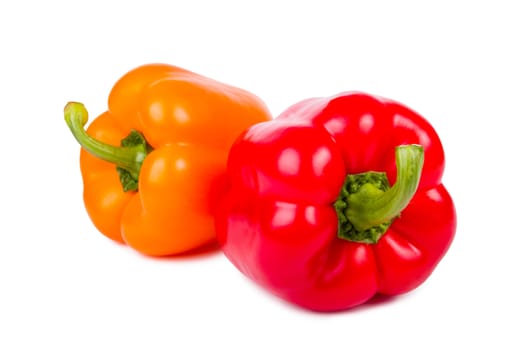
pixel 128 158
pixel 367 204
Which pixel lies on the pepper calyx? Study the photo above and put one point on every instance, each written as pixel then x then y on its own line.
pixel 128 158
pixel 367 204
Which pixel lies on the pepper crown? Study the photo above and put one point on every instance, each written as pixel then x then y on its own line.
pixel 128 158
pixel 367 205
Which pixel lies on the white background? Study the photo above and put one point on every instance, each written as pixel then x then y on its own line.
pixel 65 286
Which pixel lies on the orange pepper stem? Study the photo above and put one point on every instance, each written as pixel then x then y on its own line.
pixel 367 204
pixel 128 158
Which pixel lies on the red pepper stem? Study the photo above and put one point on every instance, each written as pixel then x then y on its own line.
pixel 367 204
pixel 127 158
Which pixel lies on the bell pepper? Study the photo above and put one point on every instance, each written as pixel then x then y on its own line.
pixel 336 201
pixel 152 163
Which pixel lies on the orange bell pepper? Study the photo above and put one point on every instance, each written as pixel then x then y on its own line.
pixel 152 164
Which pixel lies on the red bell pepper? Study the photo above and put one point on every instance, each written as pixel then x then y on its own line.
pixel 336 200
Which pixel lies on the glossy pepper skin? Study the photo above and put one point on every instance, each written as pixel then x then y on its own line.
pixel 295 219
pixel 152 163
